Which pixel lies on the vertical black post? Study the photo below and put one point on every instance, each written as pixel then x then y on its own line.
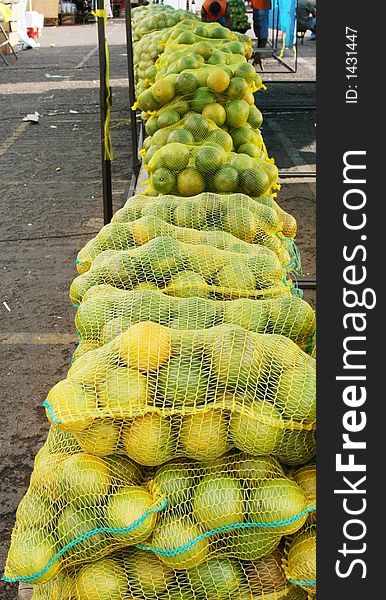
pixel 106 163
pixel 130 66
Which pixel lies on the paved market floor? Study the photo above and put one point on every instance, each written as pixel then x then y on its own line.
pixel 51 205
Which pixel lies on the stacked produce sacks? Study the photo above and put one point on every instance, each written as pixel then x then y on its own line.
pixel 178 464
pixel 239 17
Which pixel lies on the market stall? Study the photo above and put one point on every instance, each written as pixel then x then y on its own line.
pixel 180 457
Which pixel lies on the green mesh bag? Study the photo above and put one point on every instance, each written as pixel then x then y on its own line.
pixel 206 270
pixel 156 393
pixel 106 313
pixel 240 21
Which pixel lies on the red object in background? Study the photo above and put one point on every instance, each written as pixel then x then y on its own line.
pixel 33 32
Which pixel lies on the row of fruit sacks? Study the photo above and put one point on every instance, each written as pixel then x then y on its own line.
pixel 194 352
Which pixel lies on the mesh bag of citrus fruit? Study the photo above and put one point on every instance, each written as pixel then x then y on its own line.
pixel 259 222
pixel 107 312
pixel 240 21
pixel 134 574
pixel 122 236
pixel 148 50
pixel 165 262
pixel 201 86
pixel 80 508
pixel 156 393
pixel 156 17
pixel 190 169
pixel 73 510
pixel 300 558
pixel 179 55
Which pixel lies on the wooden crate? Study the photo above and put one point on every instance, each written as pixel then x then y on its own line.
pixel 67 19
pixel 51 22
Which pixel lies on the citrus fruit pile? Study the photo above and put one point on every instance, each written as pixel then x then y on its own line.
pixel 108 527
pixel 202 123
pixel 239 15
pixel 155 17
pixel 178 464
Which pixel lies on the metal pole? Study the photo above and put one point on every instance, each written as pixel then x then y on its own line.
pixel 130 66
pixel 106 163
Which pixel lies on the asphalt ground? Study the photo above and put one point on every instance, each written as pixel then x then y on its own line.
pixel 51 204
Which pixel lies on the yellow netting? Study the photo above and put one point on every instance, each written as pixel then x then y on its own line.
pixel 157 393
pixel 205 270
pixel 178 463
pixel 146 19
pixel 106 313
pixel 300 559
pixel 209 524
pixel 237 214
pixel 122 236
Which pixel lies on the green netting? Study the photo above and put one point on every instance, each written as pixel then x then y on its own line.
pixel 106 313
pixel 207 524
pixel 240 21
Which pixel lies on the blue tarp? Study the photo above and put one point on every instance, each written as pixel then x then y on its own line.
pixel 283 17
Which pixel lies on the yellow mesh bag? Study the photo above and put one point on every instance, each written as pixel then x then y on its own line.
pixel 210 83
pixel 179 57
pixel 106 313
pixel 122 236
pixel 205 270
pixel 207 524
pixel 148 50
pixel 63 520
pixel 305 477
pixel 156 393
pixel 187 170
pixel 156 17
pixel 299 559
pixel 148 578
pixel 252 221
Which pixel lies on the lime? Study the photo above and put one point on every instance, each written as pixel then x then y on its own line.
pixel 214 112
pixel 163 181
pixel 183 382
pixel 201 98
pixel 237 89
pixel 250 149
pixel 218 80
pixel 208 159
pixel 226 179
pixel 254 182
pixel 237 113
pixel 218 501
pixel 167 118
pixel 222 138
pixel 186 83
pixel 180 135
